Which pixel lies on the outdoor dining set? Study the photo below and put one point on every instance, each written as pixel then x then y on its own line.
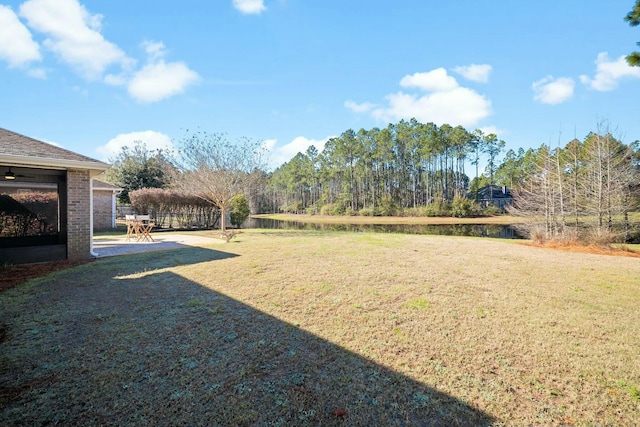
pixel 139 227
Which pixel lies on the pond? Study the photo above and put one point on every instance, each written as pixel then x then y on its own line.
pixel 473 230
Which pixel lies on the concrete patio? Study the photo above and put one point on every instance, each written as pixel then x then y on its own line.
pixel 113 246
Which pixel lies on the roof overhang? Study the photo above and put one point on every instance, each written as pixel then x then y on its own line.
pixel 94 168
pixel 113 190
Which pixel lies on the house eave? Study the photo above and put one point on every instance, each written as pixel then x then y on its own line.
pixel 113 190
pixel 48 163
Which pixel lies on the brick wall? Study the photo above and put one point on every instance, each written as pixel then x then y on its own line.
pixel 78 214
pixel 102 206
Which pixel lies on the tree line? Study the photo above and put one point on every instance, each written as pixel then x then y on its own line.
pixel 408 168
pixel 403 167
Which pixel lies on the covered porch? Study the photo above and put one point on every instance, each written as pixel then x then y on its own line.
pixel 46 201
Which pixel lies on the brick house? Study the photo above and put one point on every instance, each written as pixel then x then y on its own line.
pixel 49 214
pixel 104 205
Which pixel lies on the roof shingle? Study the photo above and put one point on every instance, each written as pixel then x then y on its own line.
pixel 14 144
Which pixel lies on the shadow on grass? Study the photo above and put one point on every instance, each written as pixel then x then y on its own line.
pixel 135 343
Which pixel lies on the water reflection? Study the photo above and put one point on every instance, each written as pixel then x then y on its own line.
pixel 471 230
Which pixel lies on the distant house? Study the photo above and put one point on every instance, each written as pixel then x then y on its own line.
pixel 494 195
pixel 54 188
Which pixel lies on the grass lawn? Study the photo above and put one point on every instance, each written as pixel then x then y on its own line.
pixel 320 328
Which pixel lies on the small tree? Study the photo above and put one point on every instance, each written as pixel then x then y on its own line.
pixel 461 207
pixel 239 210
pixel 216 169
pixel 137 167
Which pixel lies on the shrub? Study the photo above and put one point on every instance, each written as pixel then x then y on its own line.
pixel 569 235
pixel 387 207
pixel 462 207
pixel 294 207
pixel 438 208
pixel 492 210
pixel 600 236
pixel 416 212
pixel 239 211
pixel 367 212
pixel 326 208
pixel 537 233
pixel 333 209
pixel 633 236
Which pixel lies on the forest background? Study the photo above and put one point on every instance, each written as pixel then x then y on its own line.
pixel 587 186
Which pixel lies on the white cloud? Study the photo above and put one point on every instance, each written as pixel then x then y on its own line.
pixel 359 108
pixel 281 154
pixel 475 72
pixel 16 45
pixel 608 73
pixel 155 50
pixel 116 79
pixel 74 34
pixel 152 139
pixel 434 81
pixel 445 101
pixel 553 91
pixel 249 6
pixel 161 80
pixel 500 133
pixel 269 144
pixel 461 106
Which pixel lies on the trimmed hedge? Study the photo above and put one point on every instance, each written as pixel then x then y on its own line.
pixel 174 209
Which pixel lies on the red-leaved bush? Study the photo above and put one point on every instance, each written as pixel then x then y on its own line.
pixel 174 209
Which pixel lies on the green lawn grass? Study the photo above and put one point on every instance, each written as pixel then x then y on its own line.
pixel 293 327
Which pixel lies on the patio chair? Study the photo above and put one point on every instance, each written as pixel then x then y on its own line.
pixel 130 220
pixel 145 225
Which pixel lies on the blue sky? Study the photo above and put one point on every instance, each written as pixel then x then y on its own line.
pixel 93 75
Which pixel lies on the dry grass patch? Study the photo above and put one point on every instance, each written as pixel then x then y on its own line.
pixel 292 328
pixel 617 250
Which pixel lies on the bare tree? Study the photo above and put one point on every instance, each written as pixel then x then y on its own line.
pixel 540 201
pixel 216 169
pixel 573 167
pixel 612 176
pixel 597 179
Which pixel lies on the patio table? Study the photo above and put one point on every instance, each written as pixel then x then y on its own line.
pixel 139 226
